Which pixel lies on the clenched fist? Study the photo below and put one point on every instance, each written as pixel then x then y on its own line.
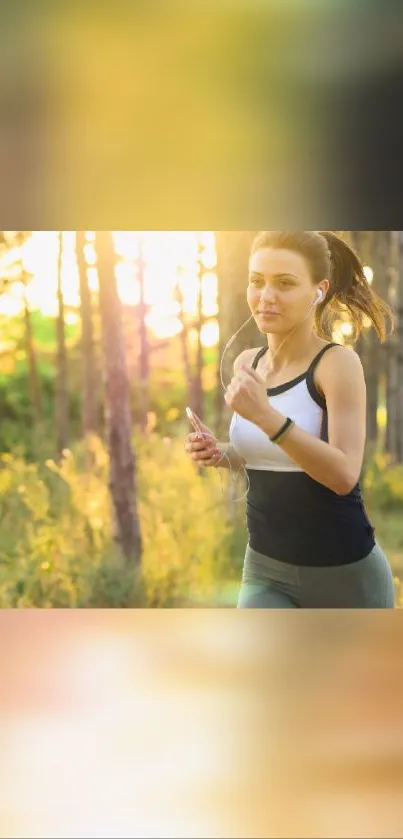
pixel 247 395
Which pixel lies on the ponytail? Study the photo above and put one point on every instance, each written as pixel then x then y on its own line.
pixel 350 291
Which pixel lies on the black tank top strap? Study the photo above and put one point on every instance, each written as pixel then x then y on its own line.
pixel 257 358
pixel 314 363
pixel 310 381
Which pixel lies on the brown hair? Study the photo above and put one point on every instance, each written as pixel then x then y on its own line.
pixel 329 257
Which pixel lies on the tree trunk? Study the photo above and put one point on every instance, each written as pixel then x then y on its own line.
pixel 198 401
pixel 399 354
pixel 62 395
pixel 34 385
pixel 233 250
pixel 392 352
pixel 354 238
pixel 89 371
pixel 144 348
pixel 381 266
pixel 376 362
pixel 184 337
pixel 368 344
pixel 122 482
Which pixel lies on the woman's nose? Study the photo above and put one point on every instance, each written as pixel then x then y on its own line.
pixel 268 295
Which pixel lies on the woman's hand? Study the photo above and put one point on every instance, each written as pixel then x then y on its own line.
pixel 247 395
pixel 204 451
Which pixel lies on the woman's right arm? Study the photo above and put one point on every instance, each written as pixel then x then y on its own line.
pixel 209 451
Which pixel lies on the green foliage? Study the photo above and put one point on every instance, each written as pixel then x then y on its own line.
pixel 57 548
pixel 54 531
pixel 184 524
pixel 44 328
pixel 383 483
pixel 383 494
pixel 56 535
pixel 17 433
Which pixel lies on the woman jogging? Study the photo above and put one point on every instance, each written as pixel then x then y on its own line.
pixel 298 427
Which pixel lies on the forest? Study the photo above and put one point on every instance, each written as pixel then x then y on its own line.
pixel 106 337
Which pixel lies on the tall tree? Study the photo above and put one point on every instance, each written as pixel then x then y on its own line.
pixel 122 479
pixel 89 370
pixel 62 394
pixel 197 400
pixel 10 240
pixel 368 344
pixel 184 338
pixel 376 358
pixel 394 292
pixel 144 355
pixel 382 255
pixel 33 374
pixel 399 352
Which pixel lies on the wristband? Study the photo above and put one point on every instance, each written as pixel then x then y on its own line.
pixel 282 431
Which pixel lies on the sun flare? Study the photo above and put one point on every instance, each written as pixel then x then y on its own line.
pixel 171 259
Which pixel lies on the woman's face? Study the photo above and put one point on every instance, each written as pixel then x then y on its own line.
pixel 280 290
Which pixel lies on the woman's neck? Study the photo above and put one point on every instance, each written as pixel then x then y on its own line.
pixel 286 350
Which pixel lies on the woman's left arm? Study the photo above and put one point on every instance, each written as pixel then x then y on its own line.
pixel 336 464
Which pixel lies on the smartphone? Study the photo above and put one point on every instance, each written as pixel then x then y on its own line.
pixel 190 415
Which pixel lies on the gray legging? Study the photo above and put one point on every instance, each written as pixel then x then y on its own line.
pixel 270 584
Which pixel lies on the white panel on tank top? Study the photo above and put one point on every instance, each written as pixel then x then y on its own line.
pixel 253 444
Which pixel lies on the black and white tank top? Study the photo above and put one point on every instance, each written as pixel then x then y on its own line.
pixel 290 516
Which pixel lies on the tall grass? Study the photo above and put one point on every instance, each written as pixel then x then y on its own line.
pixel 57 547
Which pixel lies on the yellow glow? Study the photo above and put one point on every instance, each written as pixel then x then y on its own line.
pixel 170 257
pixel 126 244
pixel 381 416
pixel 210 334
pixel 209 292
pixel 337 333
pixel 346 328
pixel 10 257
pixel 92 276
pixel 208 258
pixel 206 238
pixel 71 318
pixel 9 305
pixel 127 283
pixel 369 274
pixel 90 254
pixel 163 327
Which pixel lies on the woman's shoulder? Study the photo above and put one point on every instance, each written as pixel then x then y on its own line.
pixel 340 354
pixel 337 362
pixel 246 357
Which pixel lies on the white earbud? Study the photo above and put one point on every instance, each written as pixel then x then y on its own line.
pixel 319 295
